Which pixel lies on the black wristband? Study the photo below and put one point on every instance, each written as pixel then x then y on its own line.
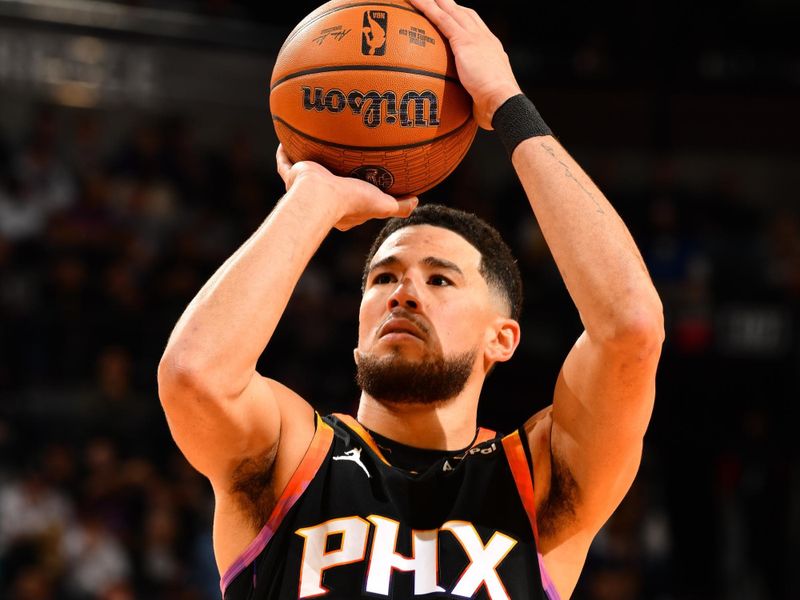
pixel 517 120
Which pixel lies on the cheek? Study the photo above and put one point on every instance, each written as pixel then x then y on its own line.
pixel 463 328
pixel 368 316
pixel 362 327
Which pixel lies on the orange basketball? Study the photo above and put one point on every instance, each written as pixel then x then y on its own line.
pixel 370 90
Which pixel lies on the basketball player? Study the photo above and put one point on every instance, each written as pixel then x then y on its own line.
pixel 409 497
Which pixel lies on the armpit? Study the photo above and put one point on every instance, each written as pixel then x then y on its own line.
pixel 251 486
pixel 554 483
pixel 557 511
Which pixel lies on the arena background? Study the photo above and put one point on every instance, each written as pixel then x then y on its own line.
pixel 136 153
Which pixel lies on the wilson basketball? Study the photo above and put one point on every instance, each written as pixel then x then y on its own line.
pixel 370 90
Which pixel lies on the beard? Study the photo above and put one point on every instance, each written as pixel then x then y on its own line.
pixel 396 380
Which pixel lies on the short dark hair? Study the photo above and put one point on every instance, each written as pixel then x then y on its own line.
pixel 498 265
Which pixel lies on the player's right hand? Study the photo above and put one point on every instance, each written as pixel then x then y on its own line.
pixel 357 201
pixel 482 64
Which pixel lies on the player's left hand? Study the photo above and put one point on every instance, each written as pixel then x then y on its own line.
pixel 482 64
pixel 356 201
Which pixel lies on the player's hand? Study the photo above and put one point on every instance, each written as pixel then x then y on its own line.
pixel 356 201
pixel 482 64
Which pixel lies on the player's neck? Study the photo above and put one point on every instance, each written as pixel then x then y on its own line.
pixel 450 426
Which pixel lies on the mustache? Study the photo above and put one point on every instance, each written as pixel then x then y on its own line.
pixel 402 313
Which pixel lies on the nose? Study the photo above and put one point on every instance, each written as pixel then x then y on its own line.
pixel 404 296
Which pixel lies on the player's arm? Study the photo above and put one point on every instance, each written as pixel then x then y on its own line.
pixel 219 409
pixel 604 394
pixel 592 439
pixel 605 391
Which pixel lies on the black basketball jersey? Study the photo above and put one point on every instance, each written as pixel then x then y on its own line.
pixel 349 525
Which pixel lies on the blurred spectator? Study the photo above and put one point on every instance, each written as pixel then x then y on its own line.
pixel 32 584
pixel 780 240
pixel 751 508
pixel 30 510
pixel 112 407
pixel 630 556
pixel 95 561
pixel 33 516
pixel 39 183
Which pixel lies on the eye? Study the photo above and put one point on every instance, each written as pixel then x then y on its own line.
pixel 439 280
pixel 382 278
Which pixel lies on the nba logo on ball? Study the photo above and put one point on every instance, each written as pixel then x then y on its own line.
pixel 373 33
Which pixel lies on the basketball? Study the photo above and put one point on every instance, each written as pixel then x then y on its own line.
pixel 370 90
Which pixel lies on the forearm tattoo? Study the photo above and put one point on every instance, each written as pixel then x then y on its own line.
pixel 569 175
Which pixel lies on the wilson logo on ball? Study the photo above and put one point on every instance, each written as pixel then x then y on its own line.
pixel 373 105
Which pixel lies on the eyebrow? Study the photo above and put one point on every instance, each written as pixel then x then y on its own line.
pixel 440 263
pixel 431 261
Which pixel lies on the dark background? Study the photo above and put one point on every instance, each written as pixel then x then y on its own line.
pixel 136 153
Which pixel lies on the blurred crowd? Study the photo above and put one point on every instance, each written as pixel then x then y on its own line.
pixel 102 248
pixel 98 256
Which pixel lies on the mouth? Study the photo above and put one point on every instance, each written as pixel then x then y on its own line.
pixel 398 327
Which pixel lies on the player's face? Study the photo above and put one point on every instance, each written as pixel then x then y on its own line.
pixel 425 297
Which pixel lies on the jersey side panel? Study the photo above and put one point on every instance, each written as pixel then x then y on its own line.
pixel 518 462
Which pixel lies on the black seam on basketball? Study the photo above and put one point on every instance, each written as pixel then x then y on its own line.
pixel 363 68
pixel 373 148
pixel 338 8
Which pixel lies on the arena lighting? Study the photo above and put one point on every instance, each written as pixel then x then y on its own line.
pixel 85 54
pixel 76 70
pixel 89 58
pixel 151 22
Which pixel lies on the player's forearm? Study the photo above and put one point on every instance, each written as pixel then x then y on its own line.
pixel 595 253
pixel 226 327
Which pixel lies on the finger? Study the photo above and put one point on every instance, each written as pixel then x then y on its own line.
pixel 283 162
pixel 448 5
pixel 395 207
pixel 476 18
pixel 345 225
pixel 442 20
pixel 461 14
pixel 405 206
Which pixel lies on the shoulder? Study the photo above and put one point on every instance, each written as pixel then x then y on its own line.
pixel 245 500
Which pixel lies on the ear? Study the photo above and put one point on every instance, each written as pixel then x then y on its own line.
pixel 504 336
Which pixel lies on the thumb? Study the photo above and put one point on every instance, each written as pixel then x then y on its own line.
pixel 406 205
